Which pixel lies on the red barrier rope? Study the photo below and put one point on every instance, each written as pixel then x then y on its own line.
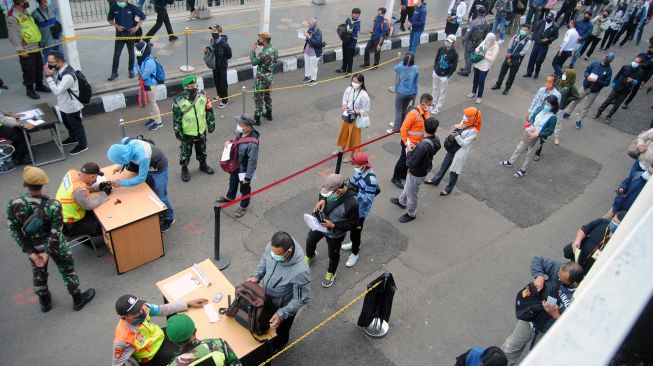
pixel 291 176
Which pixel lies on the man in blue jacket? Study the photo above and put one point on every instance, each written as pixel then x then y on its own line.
pixel 152 167
pixel 349 48
pixel 622 84
pixel 122 15
pixel 584 29
pixel 380 32
pixel 416 25
pixel 597 76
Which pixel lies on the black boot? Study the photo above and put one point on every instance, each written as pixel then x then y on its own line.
pixel 206 168
pixel 32 94
pixel 257 120
pixel 185 175
pixel 82 298
pixel 46 302
pixel 268 115
pixel 496 86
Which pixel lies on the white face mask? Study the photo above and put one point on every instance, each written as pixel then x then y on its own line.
pixel 564 77
pixel 138 53
pixel 355 85
pixel 448 44
pixel 465 119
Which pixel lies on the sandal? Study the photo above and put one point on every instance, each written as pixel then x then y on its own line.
pixel 224 199
pixel 520 173
pixel 335 152
pixel 348 159
pixel 240 212
pixel 556 141
pixel 537 158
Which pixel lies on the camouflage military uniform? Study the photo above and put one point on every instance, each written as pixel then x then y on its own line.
pixel 187 141
pixel 198 349
pixel 265 63
pixel 50 241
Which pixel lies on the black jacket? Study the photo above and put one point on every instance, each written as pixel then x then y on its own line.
pixel 619 83
pixel 420 160
pixel 222 52
pixel 475 3
pixel 343 212
pixel 378 302
pixel 551 33
pixel 448 57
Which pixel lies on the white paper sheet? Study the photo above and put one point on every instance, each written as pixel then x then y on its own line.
pixel 241 176
pixel 300 34
pixel 182 286
pixel 36 122
pixel 313 224
pixel 226 153
pixel 213 316
pixel 31 114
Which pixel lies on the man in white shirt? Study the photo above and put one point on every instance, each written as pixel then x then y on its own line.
pixel 566 49
pixel 63 83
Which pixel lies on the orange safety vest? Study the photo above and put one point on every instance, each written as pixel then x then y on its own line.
pixel 410 3
pixel 414 125
pixel 72 211
pixel 146 340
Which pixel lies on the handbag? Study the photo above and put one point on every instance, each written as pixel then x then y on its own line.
pixel 363 121
pixel 351 116
pixel 476 58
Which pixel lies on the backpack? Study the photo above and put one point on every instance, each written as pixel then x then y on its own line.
pixel 344 35
pixel 232 165
pixel 478 34
pixel 387 33
pixel 251 308
pixel 140 137
pixel 528 303
pixel 85 89
pixel 160 74
pixel 37 220
pixel 209 58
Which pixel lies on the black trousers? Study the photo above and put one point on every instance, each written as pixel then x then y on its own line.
pixel 32 68
pixel 451 28
pixel 615 99
pixel 453 177
pixel 117 50
pixel 161 18
pixel 89 225
pixel 629 30
pixel 401 169
pixel 608 37
pixel 333 245
pixel 347 58
pixel 73 122
pixel 505 67
pixel 17 140
pixel 558 62
pixel 406 14
pixel 221 86
pixel 283 334
pixel 371 46
pixel 355 236
pixel 538 54
pixel 245 189
pixel 633 92
pixel 591 43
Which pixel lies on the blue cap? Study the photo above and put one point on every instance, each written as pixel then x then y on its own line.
pixel 610 56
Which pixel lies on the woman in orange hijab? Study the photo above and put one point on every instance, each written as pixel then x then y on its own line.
pixel 457 144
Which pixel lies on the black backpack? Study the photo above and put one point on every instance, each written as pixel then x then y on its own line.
pixel 37 220
pixel 478 34
pixel 450 143
pixel 344 35
pixel 85 90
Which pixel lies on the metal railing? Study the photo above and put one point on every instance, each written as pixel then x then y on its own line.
pixel 85 11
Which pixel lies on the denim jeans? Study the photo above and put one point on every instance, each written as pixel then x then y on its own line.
pixel 479 82
pixel 414 41
pixel 500 23
pixel 159 183
pixel 245 189
pixel 401 105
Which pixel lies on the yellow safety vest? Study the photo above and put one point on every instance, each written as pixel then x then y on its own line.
pixel 72 212
pixel 147 340
pixel 28 28
pixel 193 120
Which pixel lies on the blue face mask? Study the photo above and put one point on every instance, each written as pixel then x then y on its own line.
pixel 239 129
pixel 613 226
pixel 121 4
pixel 278 258
pixel 358 170
pixel 634 64
pixel 546 108
pixel 138 320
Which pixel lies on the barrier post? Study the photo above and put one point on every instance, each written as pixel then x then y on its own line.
pixel 244 91
pixel 339 162
pixel 222 260
pixel 187 67
pixel 122 127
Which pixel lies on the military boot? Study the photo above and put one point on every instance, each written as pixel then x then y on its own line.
pixel 82 298
pixel 185 175
pixel 268 115
pixel 206 168
pixel 46 302
pixel 257 120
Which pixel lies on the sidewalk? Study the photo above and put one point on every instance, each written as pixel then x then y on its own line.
pixel 96 55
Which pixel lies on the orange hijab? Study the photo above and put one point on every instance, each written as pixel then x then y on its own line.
pixel 475 118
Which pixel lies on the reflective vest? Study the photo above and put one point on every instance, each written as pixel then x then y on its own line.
pixel 28 29
pixel 193 120
pixel 414 122
pixel 72 211
pixel 146 340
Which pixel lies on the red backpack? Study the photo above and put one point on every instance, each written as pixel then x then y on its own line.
pixel 232 164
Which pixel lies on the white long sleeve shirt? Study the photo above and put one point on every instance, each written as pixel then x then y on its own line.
pixel 570 40
pixel 59 84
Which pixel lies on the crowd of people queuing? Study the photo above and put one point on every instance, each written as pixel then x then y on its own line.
pixel 342 204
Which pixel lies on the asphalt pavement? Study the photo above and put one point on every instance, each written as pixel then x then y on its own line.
pixel 457 266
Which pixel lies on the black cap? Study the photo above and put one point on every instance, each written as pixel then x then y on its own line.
pixel 91 168
pixel 245 119
pixel 129 304
pixel 494 356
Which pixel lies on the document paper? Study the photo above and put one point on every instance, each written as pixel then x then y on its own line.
pixel 313 224
pixel 183 286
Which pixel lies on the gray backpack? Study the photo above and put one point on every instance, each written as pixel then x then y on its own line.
pixel 209 58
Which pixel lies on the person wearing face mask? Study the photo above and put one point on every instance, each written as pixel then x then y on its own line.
pixel 636 14
pixel 355 104
pixel 161 19
pixel 416 25
pixel 568 8
pixel 584 27
pixel 475 34
pixel 25 36
pixel 558 280
pixel 456 13
pixel 542 93
pixel 406 84
pixel 349 41
pixel 139 340
pixel 503 9
pixel 444 65
pixel 566 48
pixel 407 10
pixel 623 83
pixel 535 10
pixel 265 62
pixel 192 117
pixel 464 134
pixel 312 52
pixel 246 142
pixel 518 47
pixel 145 68
pixel 544 34
pixel 122 16
pixel 364 180
pixel 596 77
pixel 45 17
pixel 540 126
pixel 338 203
pixel 600 24
pixel 617 20
pixel 380 31
pixel 488 50
pixel 222 52
pixel 63 82
pixel 591 239
pixel 284 275
pixel 629 190
pixel 647 71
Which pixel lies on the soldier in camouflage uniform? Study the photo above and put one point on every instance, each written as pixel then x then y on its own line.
pixel 265 63
pixel 44 241
pixel 181 331
pixel 192 115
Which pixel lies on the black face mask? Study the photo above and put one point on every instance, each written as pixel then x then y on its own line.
pixel 215 35
pixel 192 93
pixel 549 20
pixel 52 66
pixel 26 5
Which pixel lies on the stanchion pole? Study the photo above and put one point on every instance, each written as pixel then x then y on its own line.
pixel 222 260
pixel 339 162
pixel 244 91
pixel 187 67
pixel 122 127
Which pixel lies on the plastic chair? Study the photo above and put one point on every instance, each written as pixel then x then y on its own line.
pixel 81 239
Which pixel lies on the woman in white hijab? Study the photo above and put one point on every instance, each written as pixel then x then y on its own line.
pixel 483 57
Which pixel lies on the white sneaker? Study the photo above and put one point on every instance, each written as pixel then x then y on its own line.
pixel 389 131
pixel 471 95
pixel 346 246
pixel 478 100
pixel 351 261
pixel 500 41
pixel 391 124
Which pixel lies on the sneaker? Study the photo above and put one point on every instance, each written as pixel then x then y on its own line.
pixel 505 163
pixel 351 261
pixel 310 260
pixel 566 115
pixel 346 246
pixel 520 173
pixel 607 119
pixel 391 124
pixel 396 201
pixel 155 126
pixel 149 122
pixel 328 279
pixel 625 106
pixel 223 105
pixel 496 87
pixel 579 125
pixel 165 225
pixel 406 218
pixel 78 150
pixel 389 130
pixel 306 80
pixel 471 95
pixel 69 141
pixel 478 100
pixel 312 83
pixel 500 41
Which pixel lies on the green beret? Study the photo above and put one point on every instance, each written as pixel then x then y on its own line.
pixel 191 79
pixel 180 328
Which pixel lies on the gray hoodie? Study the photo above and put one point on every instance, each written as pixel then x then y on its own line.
pixel 287 284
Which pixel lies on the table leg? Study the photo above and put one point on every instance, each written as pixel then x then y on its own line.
pixel 29 145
